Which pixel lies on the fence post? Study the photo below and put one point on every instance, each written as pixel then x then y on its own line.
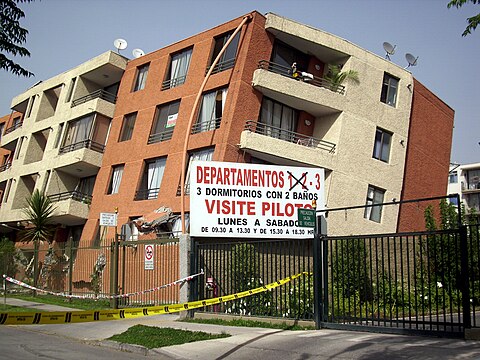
pixel 70 268
pixel 114 276
pixel 317 276
pixel 464 268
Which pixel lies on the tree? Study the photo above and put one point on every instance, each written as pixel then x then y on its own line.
pixel 39 214
pixel 472 21
pixel 337 77
pixel 12 36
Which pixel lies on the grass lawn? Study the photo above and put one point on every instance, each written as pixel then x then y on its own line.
pixel 81 304
pixel 154 337
pixel 249 323
pixel 9 308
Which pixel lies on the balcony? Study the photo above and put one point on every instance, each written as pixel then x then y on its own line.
pixel 147 194
pixel 206 126
pixel 71 207
pixel 285 147
pixel 221 66
pixel 314 95
pixel 471 187
pixel 171 83
pixel 313 80
pixel 13 127
pixel 99 94
pixel 159 137
pixel 85 144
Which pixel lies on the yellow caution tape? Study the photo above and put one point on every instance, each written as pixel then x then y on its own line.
pixel 62 317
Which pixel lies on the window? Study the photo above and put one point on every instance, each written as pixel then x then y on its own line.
pixel 381 149
pixel 127 127
pixel 116 179
pixel 201 155
pixel 2 127
pixel 227 60
pixel 374 196
pixel 129 231
pixel 151 179
pixel 164 123
pixel 211 111
pixel 285 56
pixel 453 201
pixel 141 79
pixel 389 90
pixel 85 186
pixel 178 69
pixel 78 133
pixel 453 178
pixel 277 120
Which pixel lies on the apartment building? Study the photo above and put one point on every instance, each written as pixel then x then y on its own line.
pixel 465 181
pixel 56 135
pixel 374 138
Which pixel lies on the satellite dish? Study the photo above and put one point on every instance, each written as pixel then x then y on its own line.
pixel 389 49
pixel 137 53
pixel 412 60
pixel 120 44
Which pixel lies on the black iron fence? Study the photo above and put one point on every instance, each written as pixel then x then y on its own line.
pixel 101 94
pixel 84 144
pixel 235 266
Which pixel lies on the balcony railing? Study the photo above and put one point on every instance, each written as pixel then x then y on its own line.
pixel 471 187
pixel 13 127
pixel 5 166
pixel 159 137
pixel 147 194
pixel 85 144
pixel 102 94
pixel 206 125
pixel 290 136
pixel 313 80
pixel 74 195
pixel 171 83
pixel 221 66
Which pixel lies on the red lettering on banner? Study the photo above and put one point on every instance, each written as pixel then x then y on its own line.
pixel 230 207
pixel 278 209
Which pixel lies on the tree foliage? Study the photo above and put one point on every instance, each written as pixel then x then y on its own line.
pixel 472 21
pixel 39 214
pixel 12 37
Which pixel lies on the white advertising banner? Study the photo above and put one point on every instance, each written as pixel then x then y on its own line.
pixel 252 200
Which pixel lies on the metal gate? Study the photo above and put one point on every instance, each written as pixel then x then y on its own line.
pixel 408 282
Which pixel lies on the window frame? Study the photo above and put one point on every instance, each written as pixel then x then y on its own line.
pixel 371 213
pixel 145 192
pixel 115 179
pixel 379 145
pixel 141 77
pixel 165 133
pixel 387 88
pixel 207 153
pixel 127 124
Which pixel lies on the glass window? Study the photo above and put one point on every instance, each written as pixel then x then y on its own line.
pixel 127 127
pixel 116 179
pixel 453 178
pixel 389 90
pixel 85 185
pixel 2 127
pixel 381 149
pixel 78 131
pixel 164 123
pixel 178 69
pixel 211 111
pixel 374 196
pixel 227 60
pixel 473 179
pixel 277 120
pixel 141 79
pixel 205 155
pixel 151 179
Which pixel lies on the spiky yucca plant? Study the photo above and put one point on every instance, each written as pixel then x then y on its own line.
pixel 39 215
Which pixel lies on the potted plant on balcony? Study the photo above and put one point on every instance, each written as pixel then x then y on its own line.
pixel 337 77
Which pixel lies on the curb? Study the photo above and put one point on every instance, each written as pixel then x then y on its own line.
pixel 130 348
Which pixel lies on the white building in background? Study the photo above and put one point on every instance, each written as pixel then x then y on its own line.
pixel 465 180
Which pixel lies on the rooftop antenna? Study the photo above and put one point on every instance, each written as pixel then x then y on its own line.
pixel 389 49
pixel 412 60
pixel 137 53
pixel 120 44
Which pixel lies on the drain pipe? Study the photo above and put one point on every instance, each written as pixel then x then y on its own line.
pixel 192 114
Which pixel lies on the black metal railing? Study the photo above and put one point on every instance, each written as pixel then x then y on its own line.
pixel 5 166
pixel 290 136
pixel 313 80
pixel 102 94
pixel 85 144
pixel 236 266
pixel 159 137
pixel 221 66
pixel 13 127
pixel 209 125
pixel 473 247
pixel 74 195
pixel 171 83
pixel 146 194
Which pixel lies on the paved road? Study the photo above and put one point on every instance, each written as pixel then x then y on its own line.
pixel 87 341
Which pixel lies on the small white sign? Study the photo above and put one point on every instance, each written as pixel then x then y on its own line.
pixel 149 257
pixel 108 219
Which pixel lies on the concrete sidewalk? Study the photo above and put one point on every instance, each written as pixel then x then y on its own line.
pixel 259 343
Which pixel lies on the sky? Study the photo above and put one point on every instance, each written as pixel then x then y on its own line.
pixel 66 33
